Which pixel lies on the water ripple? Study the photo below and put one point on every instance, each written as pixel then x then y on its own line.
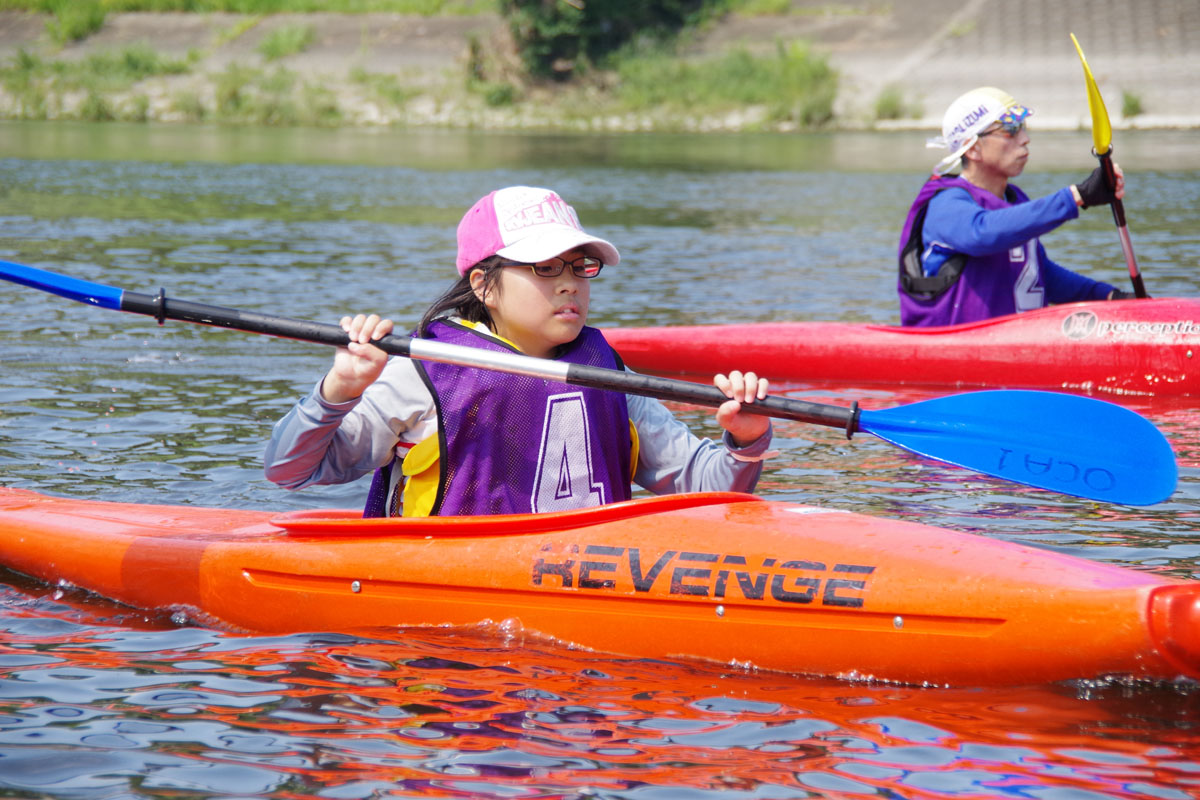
pixel 102 701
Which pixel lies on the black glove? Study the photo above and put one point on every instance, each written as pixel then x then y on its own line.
pixel 1094 190
pixel 1117 294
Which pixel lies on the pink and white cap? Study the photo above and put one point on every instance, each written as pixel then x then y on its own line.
pixel 524 223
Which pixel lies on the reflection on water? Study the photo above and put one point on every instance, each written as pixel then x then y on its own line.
pixel 480 150
pixel 102 701
pixel 469 714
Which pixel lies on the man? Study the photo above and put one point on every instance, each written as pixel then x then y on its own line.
pixel 969 249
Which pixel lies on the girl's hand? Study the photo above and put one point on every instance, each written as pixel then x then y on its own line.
pixel 359 364
pixel 741 388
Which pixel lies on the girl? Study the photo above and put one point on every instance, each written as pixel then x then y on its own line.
pixel 446 439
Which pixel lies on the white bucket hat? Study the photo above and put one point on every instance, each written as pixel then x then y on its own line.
pixel 970 115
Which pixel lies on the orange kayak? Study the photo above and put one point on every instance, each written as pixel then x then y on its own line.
pixel 1131 347
pixel 724 577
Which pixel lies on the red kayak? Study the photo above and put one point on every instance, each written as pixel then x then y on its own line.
pixel 1128 347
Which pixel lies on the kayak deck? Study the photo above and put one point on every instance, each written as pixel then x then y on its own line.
pixel 723 577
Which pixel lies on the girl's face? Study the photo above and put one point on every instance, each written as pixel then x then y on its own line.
pixel 537 314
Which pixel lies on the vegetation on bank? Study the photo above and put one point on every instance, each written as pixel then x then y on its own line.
pixel 39 89
pixel 72 20
pixel 793 85
pixel 614 64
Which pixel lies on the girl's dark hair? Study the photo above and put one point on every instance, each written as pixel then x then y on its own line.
pixel 460 298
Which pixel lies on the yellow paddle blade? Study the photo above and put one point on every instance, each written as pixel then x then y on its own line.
pixel 1101 130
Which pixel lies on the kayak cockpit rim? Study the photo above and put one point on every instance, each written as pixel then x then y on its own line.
pixel 347 522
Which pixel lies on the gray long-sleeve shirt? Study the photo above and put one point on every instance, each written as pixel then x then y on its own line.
pixel 319 442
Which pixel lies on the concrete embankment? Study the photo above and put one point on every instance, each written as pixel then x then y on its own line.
pixel 1145 55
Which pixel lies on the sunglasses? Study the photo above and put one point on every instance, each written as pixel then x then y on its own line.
pixel 1010 124
pixel 583 267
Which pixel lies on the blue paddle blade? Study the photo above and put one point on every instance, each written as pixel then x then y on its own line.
pixel 95 294
pixel 1065 443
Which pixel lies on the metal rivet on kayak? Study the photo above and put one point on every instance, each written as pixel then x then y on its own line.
pixel 897 622
pixel 1189 354
pixel 355 586
pixel 720 611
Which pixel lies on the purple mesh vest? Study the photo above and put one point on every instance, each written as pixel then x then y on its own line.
pixel 512 444
pixel 976 287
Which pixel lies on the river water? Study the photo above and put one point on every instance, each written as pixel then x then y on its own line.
pixel 102 701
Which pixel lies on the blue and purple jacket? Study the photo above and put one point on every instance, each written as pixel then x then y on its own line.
pixel 967 255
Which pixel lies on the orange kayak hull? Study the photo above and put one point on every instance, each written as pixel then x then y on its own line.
pixel 722 577
pixel 1130 347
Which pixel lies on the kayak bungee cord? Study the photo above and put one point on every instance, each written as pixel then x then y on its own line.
pixel 1063 443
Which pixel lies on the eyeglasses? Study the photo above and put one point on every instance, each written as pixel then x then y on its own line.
pixel 583 267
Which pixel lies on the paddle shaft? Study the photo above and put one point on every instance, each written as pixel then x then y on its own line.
pixel 1118 211
pixel 161 307
pixel 1040 439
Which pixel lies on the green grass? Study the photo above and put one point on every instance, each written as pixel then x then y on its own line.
pixel 232 87
pixel 890 104
pixel 783 8
pixel 40 84
pixel 1131 104
pixel 96 108
pixel 383 87
pixel 236 30
pixel 425 7
pixel 789 85
pixel 102 87
pixel 763 8
pixel 189 106
pixel 497 95
pixel 134 63
pixel 249 96
pixel 793 84
pixel 30 100
pixel 287 40
pixel 74 19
